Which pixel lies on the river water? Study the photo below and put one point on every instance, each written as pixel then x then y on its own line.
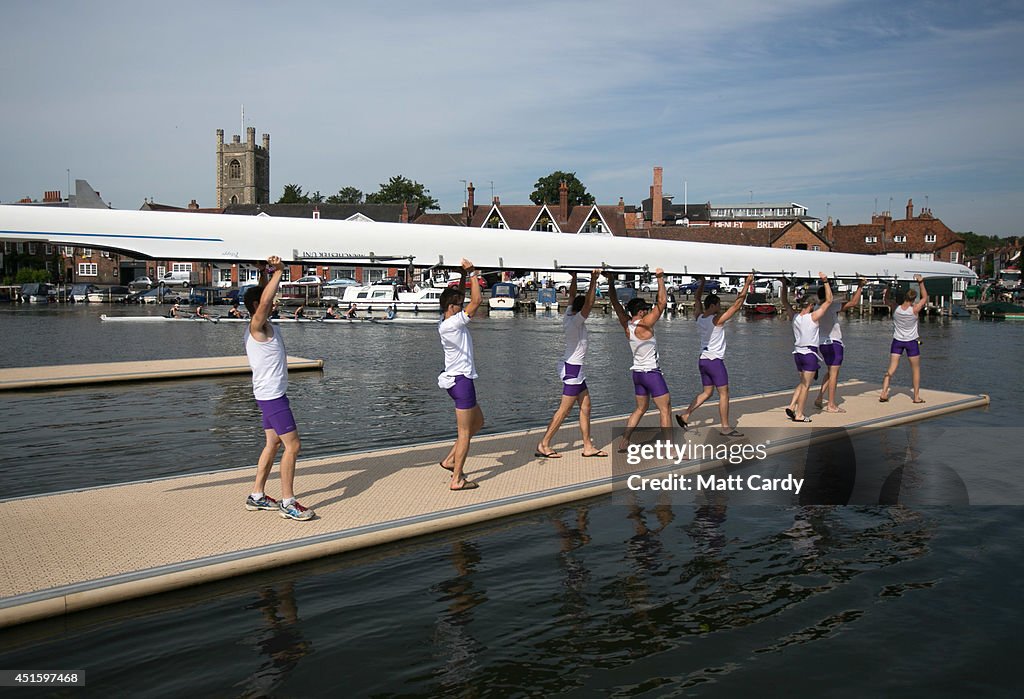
pixel 625 595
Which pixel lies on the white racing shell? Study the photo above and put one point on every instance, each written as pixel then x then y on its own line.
pixel 231 238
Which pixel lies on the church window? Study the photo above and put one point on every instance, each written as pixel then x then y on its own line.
pixel 235 170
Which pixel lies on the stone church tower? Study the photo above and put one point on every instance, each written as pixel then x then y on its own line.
pixel 243 169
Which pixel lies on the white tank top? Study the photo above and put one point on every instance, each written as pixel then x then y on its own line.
pixel 712 338
pixel 575 337
pixel 904 324
pixel 829 329
pixel 805 334
pixel 645 352
pixel 269 363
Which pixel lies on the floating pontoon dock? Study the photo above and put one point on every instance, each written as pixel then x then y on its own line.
pixel 62 375
pixel 75 550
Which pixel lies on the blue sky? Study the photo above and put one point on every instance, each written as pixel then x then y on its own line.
pixel 835 105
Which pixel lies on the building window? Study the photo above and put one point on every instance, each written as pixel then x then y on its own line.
pixel 929 238
pixel 594 225
pixel 344 273
pixel 7 247
pixel 67 251
pixel 49 249
pixel 815 247
pixel 899 239
pixel 871 239
pixel 235 170
pixel 86 252
pixel 19 248
pixel 954 256
pixel 87 269
pixel 31 248
pixel 494 222
pixel 181 267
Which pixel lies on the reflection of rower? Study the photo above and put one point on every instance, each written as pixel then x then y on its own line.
pixel 280 639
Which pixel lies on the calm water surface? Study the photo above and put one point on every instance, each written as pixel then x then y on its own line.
pixel 622 595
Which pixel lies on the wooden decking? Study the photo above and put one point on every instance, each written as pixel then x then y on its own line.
pixel 62 375
pixel 75 550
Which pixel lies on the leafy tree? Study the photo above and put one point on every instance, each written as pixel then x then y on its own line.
pixel 401 189
pixel 546 190
pixel 975 244
pixel 316 197
pixel 28 275
pixel 346 195
pixel 293 195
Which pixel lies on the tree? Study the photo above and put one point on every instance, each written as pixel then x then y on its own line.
pixel 546 190
pixel 400 189
pixel 346 195
pixel 293 195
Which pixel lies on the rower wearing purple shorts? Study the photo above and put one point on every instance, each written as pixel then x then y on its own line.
pixel 831 334
pixel 460 370
pixel 805 339
pixel 711 320
pixel 905 337
pixel 638 321
pixel 264 347
pixel 574 383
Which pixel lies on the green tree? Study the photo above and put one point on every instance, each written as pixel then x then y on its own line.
pixel 293 195
pixel 401 189
pixel 27 275
pixel 346 195
pixel 546 190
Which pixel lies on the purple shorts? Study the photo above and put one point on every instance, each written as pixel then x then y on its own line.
pixel 650 383
pixel 832 353
pixel 572 371
pixel 912 347
pixel 713 373
pixel 277 415
pixel 806 362
pixel 463 393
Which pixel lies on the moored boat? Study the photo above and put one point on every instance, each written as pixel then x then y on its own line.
pixel 758 304
pixel 547 300
pixel 1001 310
pixel 504 297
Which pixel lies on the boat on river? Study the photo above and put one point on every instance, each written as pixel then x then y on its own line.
pixel 504 297
pixel 380 297
pixel 758 304
pixel 1001 310
pixel 312 320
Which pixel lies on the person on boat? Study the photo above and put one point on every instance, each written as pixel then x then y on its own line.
pixel 392 312
pixel 352 310
pixel 460 369
pixel 264 346
pixel 711 320
pixel 299 313
pixel 574 384
pixel 905 336
pixel 331 313
pixel 235 312
pixel 275 310
pixel 831 347
pixel 805 319
pixel 175 312
pixel 638 319
pixel 200 312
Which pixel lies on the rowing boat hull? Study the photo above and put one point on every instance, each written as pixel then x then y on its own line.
pixel 165 235
pixel 304 321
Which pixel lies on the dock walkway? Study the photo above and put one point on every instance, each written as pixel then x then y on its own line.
pixel 79 549
pixel 63 375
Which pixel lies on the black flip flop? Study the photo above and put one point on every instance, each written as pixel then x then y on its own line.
pixel 599 453
pixel 466 485
pixel 552 455
pixel 790 414
pixel 682 423
pixel 805 419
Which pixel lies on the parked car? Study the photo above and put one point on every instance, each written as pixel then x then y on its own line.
pixel 308 280
pixel 342 281
pixel 140 284
pixel 710 285
pixel 158 294
pixel 182 279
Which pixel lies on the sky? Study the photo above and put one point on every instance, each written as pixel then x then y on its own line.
pixel 845 107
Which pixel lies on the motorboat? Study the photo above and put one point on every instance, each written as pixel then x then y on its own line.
pixel 379 297
pixel 504 297
pixel 110 294
pixel 758 304
pixel 547 300
pixel 37 292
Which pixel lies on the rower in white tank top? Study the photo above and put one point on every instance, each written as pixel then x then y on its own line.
pixel 269 363
pixel 829 328
pixel 712 338
pixel 805 334
pixel 645 352
pixel 904 324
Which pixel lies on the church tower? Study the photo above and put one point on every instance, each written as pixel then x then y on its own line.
pixel 243 169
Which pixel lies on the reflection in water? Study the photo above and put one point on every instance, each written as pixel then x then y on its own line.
pixel 280 640
pixel 456 647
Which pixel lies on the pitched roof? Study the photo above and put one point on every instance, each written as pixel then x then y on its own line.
pixel 852 238
pixel 389 213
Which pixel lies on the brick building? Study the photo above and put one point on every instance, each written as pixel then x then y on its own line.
pixel 921 237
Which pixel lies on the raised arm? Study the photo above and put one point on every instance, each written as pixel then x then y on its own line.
pixel 595 274
pixel 888 300
pixel 660 303
pixel 572 288
pixel 698 305
pixel 276 268
pixel 919 306
pixel 822 309
pixel 855 299
pixel 784 297
pixel 748 284
pixel 613 298
pixel 475 297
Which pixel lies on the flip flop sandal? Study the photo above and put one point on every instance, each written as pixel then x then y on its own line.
pixel 731 433
pixel 466 485
pixel 446 468
pixel 549 455
pixel 599 453
pixel 804 419
pixel 790 414
pixel 682 422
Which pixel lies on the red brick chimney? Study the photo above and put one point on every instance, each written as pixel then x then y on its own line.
pixel 657 216
pixel 405 213
pixel 467 213
pixel 621 208
pixel 828 231
pixel 910 209
pixel 563 203
pixel 193 204
pixel 51 196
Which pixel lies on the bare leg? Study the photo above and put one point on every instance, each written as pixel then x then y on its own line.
pixel 723 407
pixel 469 423
pixel 266 461
pixel 642 402
pixel 915 374
pixel 894 361
pixel 584 401
pixel 698 401
pixel 803 389
pixel 664 405
pixel 832 381
pixel 564 408
pixel 292 445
